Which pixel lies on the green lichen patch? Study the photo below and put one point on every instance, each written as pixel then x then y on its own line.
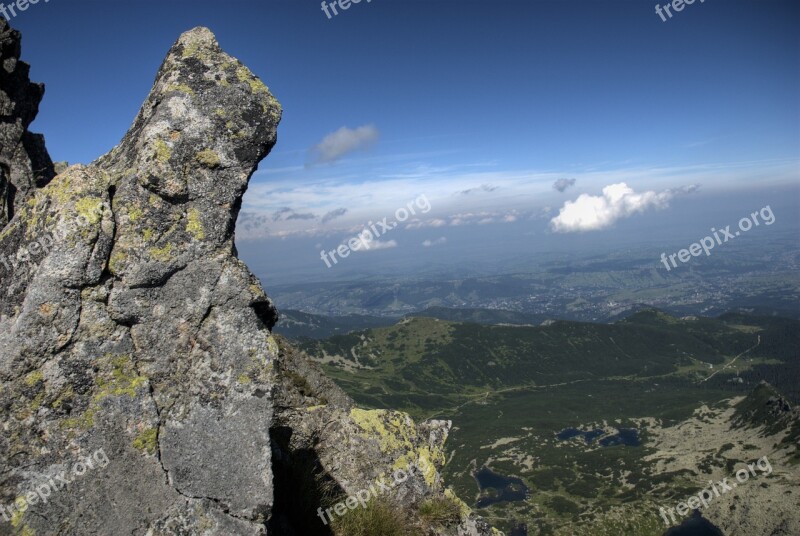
pixel 117 377
pixel 147 441
pixel 190 49
pixel 393 430
pixel 162 254
pixel 115 262
pixel 396 435
pixel 64 397
pixel 90 209
pixel 21 504
pixel 194 226
pixel 33 378
pixel 60 189
pixel 272 345
pixel 425 460
pixel 208 158
pixel 123 381
pixel 245 75
pixel 181 88
pixel 84 421
pixel 134 214
pixel 162 151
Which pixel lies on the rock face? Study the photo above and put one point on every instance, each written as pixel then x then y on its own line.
pixel 24 162
pixel 142 390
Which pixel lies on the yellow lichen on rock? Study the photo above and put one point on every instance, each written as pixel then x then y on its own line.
pixel 121 380
pixel 424 460
pixel 245 75
pixel 115 262
pixel 147 441
pixel 244 379
pixel 33 378
pixel 181 88
pixel 465 510
pixel 208 158
pixel 194 226
pixel 393 430
pixel 162 254
pixel 162 151
pixel 272 345
pixel 134 213
pixel 90 209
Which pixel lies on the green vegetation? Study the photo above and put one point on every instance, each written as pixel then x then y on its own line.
pixel 510 389
pixel 147 441
pixel 440 511
pixel 379 517
pixel 422 365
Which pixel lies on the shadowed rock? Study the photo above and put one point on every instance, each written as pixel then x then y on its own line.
pixel 24 162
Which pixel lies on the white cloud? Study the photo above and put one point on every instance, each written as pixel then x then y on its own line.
pixel 438 242
pixel 345 140
pixel 595 212
pixel 374 245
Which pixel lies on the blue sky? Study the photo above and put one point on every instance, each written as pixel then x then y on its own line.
pixel 478 106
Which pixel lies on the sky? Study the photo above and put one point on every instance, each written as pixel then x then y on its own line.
pixel 508 126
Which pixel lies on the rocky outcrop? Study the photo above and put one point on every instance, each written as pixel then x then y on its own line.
pixel 24 162
pixel 142 390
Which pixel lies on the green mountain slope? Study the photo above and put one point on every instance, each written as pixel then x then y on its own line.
pixel 511 390
pixel 423 363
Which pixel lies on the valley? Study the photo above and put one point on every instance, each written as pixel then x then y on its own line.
pixel 600 423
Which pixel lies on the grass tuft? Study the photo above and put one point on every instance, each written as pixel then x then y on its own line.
pixel 378 518
pixel 440 511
